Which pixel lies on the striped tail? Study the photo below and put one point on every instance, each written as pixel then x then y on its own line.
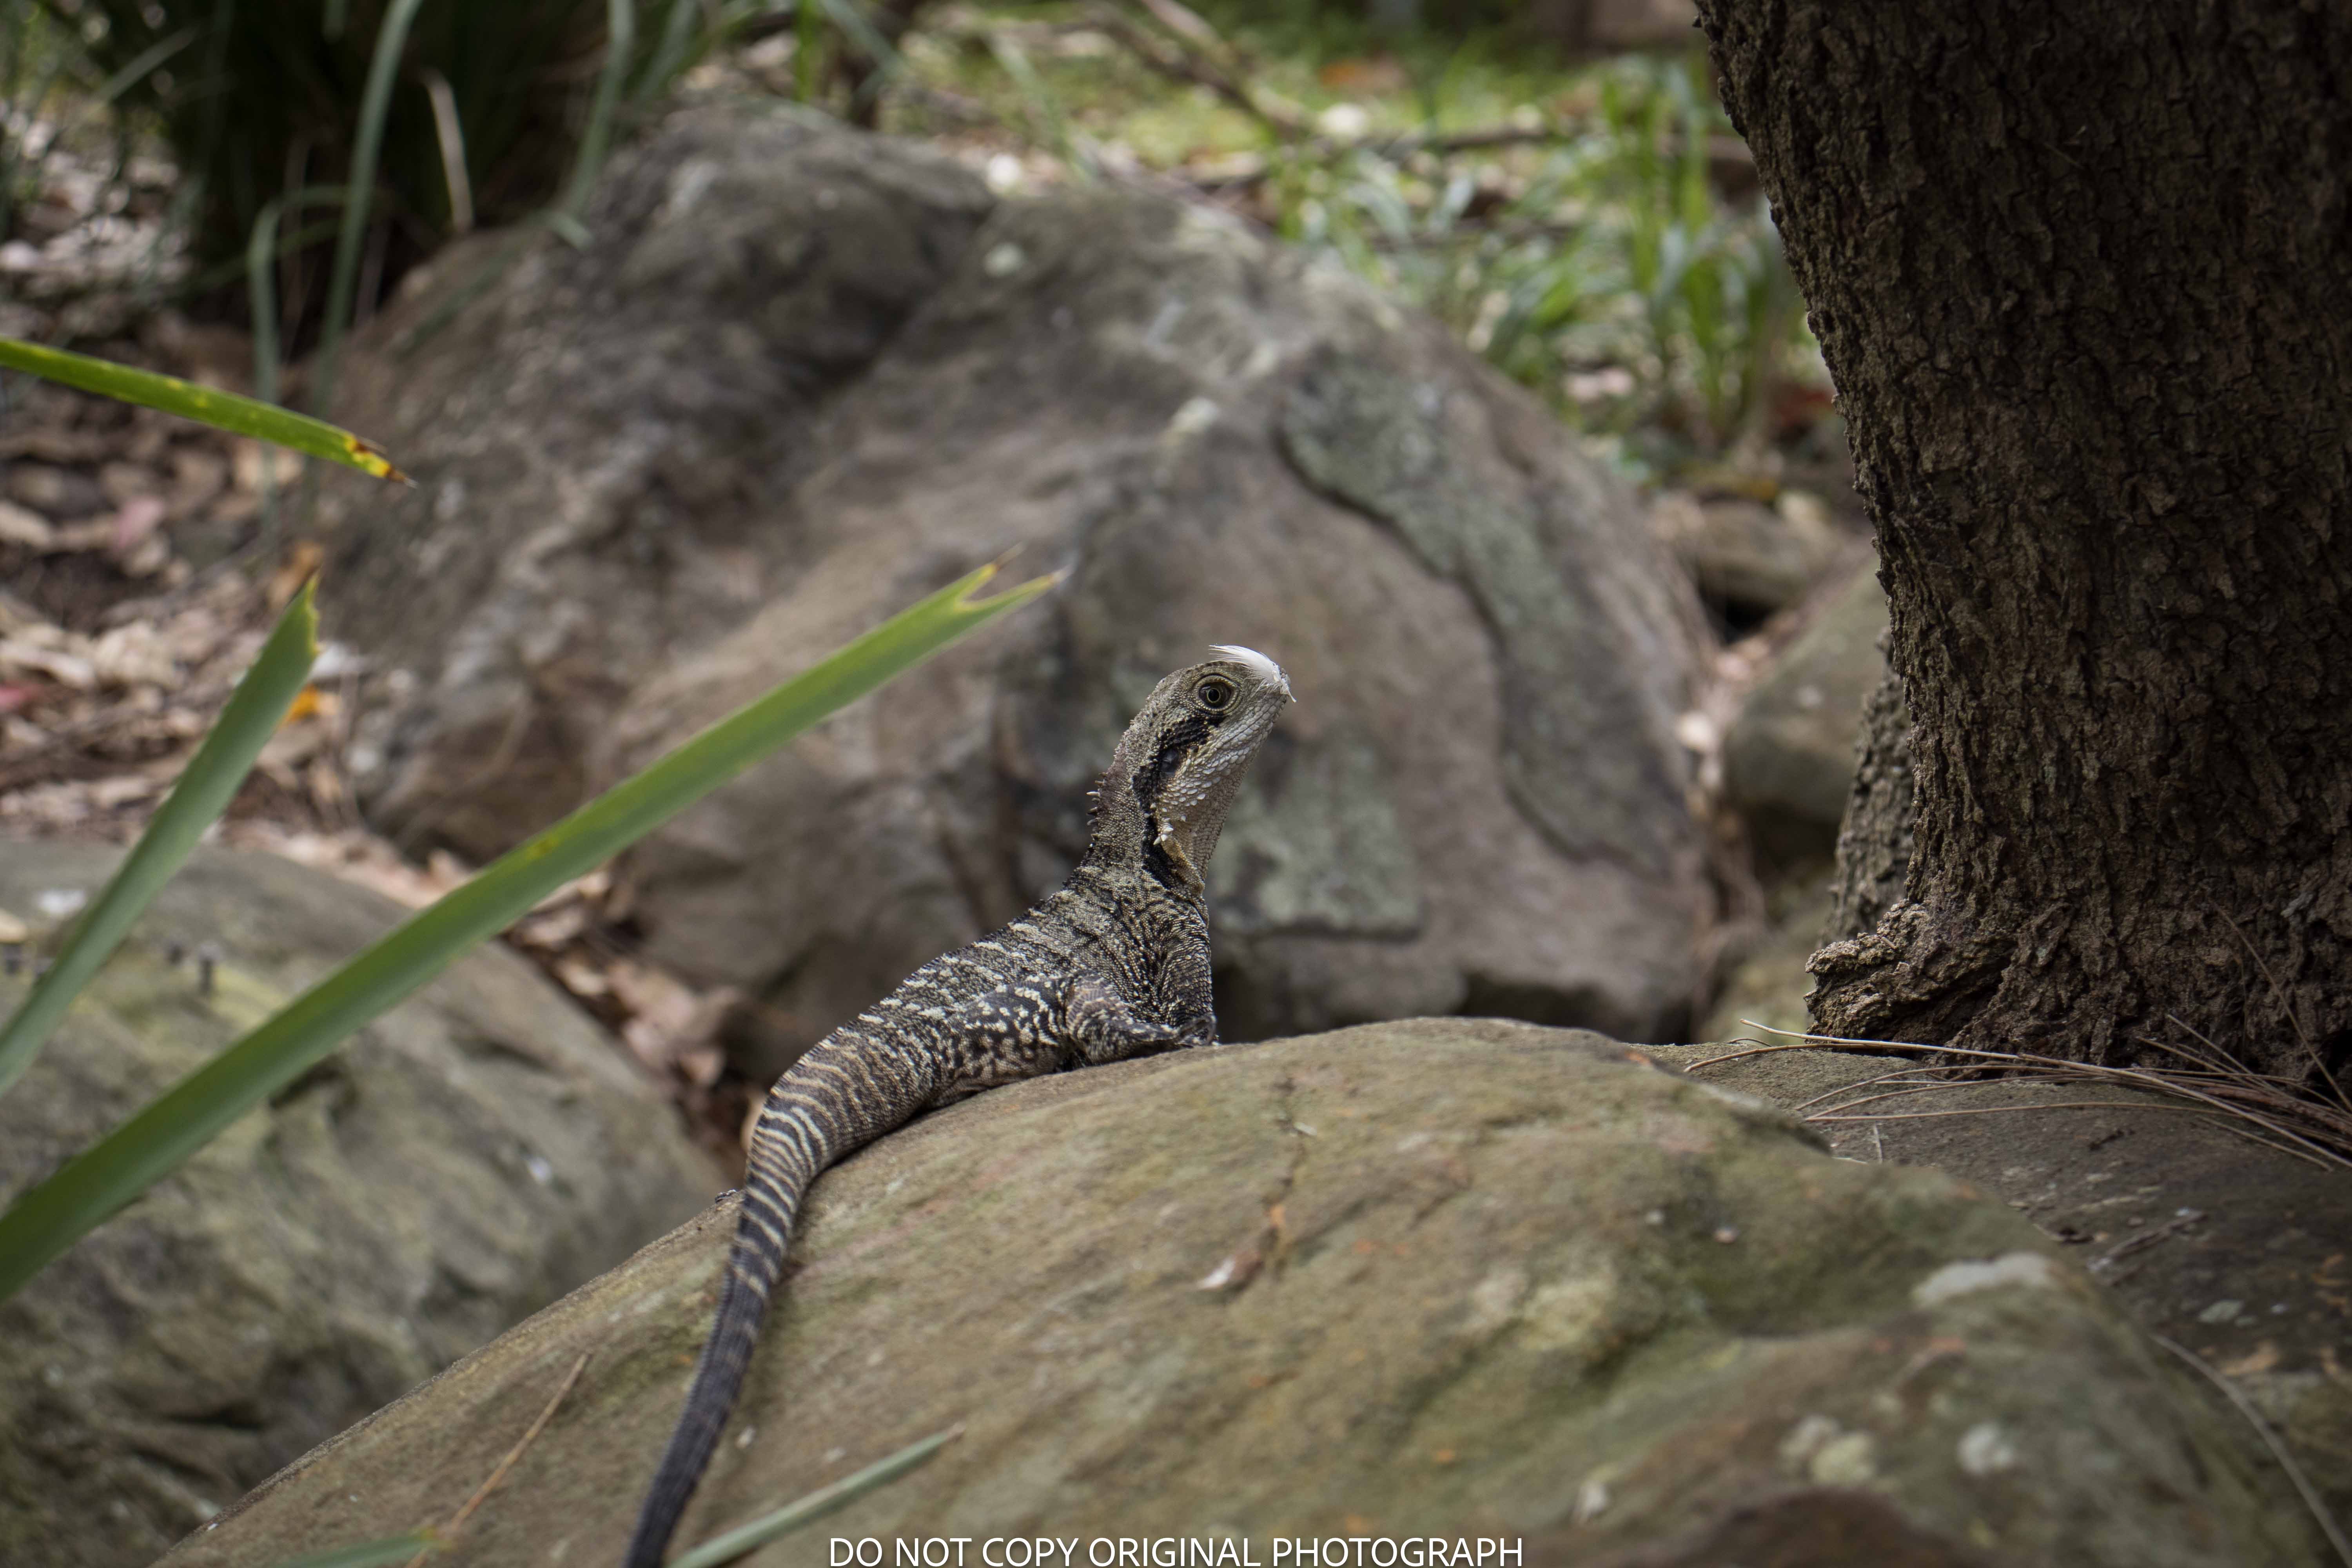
pixel 830 1104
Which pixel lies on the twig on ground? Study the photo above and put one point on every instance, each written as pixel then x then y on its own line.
pixel 1184 58
pixel 1836 1113
pixel 2236 1095
pixel 1474 229
pixel 1405 144
pixel 2286 1006
pixel 35 763
pixel 1884 1079
pixel 2309 1493
pixel 2145 1239
pixel 448 1534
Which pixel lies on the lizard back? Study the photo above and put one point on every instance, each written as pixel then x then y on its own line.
pixel 1113 964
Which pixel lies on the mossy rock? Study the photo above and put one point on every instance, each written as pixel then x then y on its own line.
pixel 1451 1276
pixel 471 1155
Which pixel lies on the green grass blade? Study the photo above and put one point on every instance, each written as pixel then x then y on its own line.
pixel 222 410
pixel 680 40
pixel 620 45
pixel 808 51
pixel 816 1505
pixel 364 1553
pixel 1045 116
pixel 137 68
pixel 860 30
pixel 263 249
pixel 203 792
pixel 51 1217
pixel 375 106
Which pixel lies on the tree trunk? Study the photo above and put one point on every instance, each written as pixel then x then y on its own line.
pixel 2083 276
pixel 1873 846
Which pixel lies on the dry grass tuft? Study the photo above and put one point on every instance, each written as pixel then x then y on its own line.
pixel 2277 1112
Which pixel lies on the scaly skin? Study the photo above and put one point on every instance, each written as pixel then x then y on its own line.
pixel 1114 965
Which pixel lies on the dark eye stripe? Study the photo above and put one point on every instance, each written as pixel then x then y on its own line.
pixel 1182 737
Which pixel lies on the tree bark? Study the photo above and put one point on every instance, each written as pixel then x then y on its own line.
pixel 2081 272
pixel 1873 846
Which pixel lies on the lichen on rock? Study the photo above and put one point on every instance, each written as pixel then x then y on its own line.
pixel 1401 1279
pixel 471 1155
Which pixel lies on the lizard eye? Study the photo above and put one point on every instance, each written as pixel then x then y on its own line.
pixel 1216 694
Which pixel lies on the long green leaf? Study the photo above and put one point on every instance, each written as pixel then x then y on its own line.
pixel 620 45
pixel 262 253
pixel 138 67
pixel 222 410
pixel 203 792
pixel 51 1217
pixel 851 19
pixel 342 280
pixel 364 1554
pixel 678 42
pixel 726 1547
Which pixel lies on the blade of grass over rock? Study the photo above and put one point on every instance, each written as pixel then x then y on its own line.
pixel 364 1554
pixel 620 45
pixel 92 1186
pixel 222 410
pixel 375 103
pixel 860 30
pixel 678 39
pixel 726 1547
pixel 138 68
pixel 202 793
pixel 261 253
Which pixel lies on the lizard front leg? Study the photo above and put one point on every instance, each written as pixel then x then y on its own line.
pixel 1017 1031
pixel 1100 1026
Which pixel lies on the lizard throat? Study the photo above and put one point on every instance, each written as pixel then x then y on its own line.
pixel 1169 851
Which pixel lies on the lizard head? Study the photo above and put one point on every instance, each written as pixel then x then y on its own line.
pixel 1163 800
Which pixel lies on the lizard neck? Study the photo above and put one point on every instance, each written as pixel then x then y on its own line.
pixel 1154 820
pixel 1157 813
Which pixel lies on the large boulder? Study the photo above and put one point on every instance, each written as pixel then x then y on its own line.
pixel 2228 1244
pixel 804 376
pixel 1459 1278
pixel 476 1152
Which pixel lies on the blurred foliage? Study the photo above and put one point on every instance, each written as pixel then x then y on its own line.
pixel 1612 277
pixel 1339 28
pixel 50 1215
pixel 257 99
pixel 39 57
pixel 1593 228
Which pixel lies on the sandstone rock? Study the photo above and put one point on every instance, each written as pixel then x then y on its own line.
pixel 472 1155
pixel 1768 986
pixel 1446 1277
pixel 1748 559
pixel 805 376
pixel 1789 760
pixel 2231 1248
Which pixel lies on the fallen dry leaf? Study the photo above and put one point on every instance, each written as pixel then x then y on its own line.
pixel 21 653
pixel 2262 1358
pixel 21 525
pixel 140 516
pixel 249 457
